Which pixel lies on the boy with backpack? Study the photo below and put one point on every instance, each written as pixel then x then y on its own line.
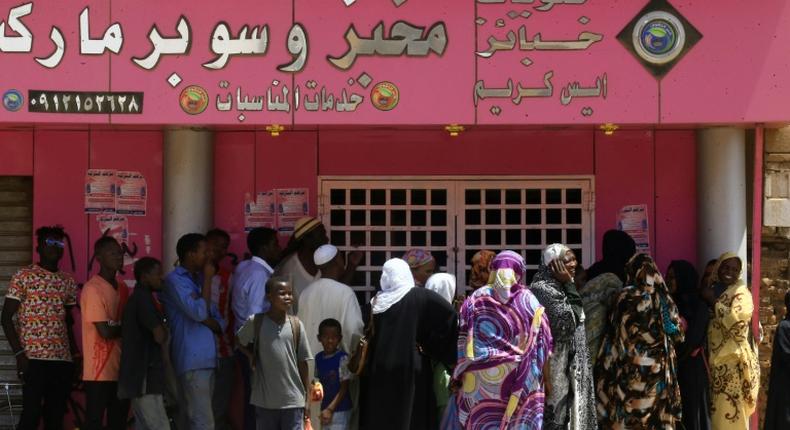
pixel 279 380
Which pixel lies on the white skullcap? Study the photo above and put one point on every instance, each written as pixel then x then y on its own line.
pixel 553 252
pixel 324 254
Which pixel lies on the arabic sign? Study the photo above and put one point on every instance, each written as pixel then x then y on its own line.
pixel 287 62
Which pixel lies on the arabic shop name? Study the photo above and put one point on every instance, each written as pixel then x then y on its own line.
pixel 85 102
pixel 403 39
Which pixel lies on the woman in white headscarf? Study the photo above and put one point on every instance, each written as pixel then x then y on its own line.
pixel 412 326
pixel 570 402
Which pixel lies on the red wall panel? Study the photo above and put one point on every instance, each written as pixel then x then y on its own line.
pixel 61 159
pixel 16 153
pixel 234 176
pixel 139 151
pixel 624 175
pixel 476 152
pixel 676 197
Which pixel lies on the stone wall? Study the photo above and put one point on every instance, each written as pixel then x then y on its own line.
pixel 775 261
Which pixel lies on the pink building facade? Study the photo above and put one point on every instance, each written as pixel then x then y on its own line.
pixel 446 124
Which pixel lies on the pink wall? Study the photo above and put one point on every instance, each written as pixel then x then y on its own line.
pixel 58 160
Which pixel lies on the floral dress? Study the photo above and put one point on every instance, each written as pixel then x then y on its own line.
pixel 734 370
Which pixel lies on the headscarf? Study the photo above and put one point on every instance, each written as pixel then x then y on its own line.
pixel 687 297
pixel 442 284
pixel 714 275
pixel 551 253
pixel 618 248
pixel 417 258
pixel 508 269
pixel 481 269
pixel 396 282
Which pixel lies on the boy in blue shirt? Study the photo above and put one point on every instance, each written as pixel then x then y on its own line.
pixel 331 368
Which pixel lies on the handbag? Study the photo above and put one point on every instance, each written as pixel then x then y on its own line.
pixel 358 360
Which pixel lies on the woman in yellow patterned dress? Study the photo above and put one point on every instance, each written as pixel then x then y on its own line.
pixel 734 370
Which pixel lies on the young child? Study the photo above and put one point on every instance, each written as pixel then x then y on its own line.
pixel 331 368
pixel 280 355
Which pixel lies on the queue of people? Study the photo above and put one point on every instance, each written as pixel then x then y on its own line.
pixel 627 348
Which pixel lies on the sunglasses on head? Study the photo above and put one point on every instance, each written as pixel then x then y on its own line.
pixel 54 242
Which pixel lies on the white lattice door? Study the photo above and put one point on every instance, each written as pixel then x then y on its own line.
pixel 454 218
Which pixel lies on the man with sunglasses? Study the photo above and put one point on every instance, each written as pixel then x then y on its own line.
pixel 41 296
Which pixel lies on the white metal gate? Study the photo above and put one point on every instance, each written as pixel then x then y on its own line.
pixel 454 218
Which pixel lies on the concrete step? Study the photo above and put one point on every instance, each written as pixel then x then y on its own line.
pixel 16 225
pixel 15 210
pixel 16 241
pixel 14 257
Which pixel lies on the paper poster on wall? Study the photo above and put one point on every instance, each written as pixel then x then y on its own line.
pixel 292 204
pixel 633 220
pixel 260 212
pixel 117 226
pixel 131 194
pixel 100 191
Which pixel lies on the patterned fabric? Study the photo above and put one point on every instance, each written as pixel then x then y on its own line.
pixel 417 258
pixel 597 297
pixel 480 269
pixel 637 386
pixel 734 369
pixel 41 319
pixel 503 345
pixel 571 402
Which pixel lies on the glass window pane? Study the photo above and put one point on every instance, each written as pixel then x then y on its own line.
pixel 493 197
pixel 377 238
pixel 419 218
pixel 438 218
pixel 398 217
pixel 337 217
pixel 419 197
pixel 534 236
pixel 574 236
pixel 473 217
pixel 554 235
pixel 533 197
pixel 573 216
pixel 534 216
pixel 493 217
pixel 337 197
pixel 419 239
pixel 553 216
pixel 358 217
pixel 378 258
pixel 378 197
pixel 438 197
pixel 493 237
pixel 573 196
pixel 358 197
pixel 398 197
pixel 337 238
pixel 513 216
pixel 553 196
pixel 473 237
pixel 378 217
pixel 438 238
pixel 358 238
pixel 472 197
pixel 513 197
pixel 513 237
pixel 398 238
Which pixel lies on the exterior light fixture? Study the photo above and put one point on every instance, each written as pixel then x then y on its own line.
pixel 454 129
pixel 275 129
pixel 608 128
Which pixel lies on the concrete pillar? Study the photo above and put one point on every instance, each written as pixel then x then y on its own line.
pixel 721 191
pixel 188 186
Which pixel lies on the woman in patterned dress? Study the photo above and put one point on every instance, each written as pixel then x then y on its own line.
pixel 637 366
pixel 734 370
pixel 570 401
pixel 503 345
